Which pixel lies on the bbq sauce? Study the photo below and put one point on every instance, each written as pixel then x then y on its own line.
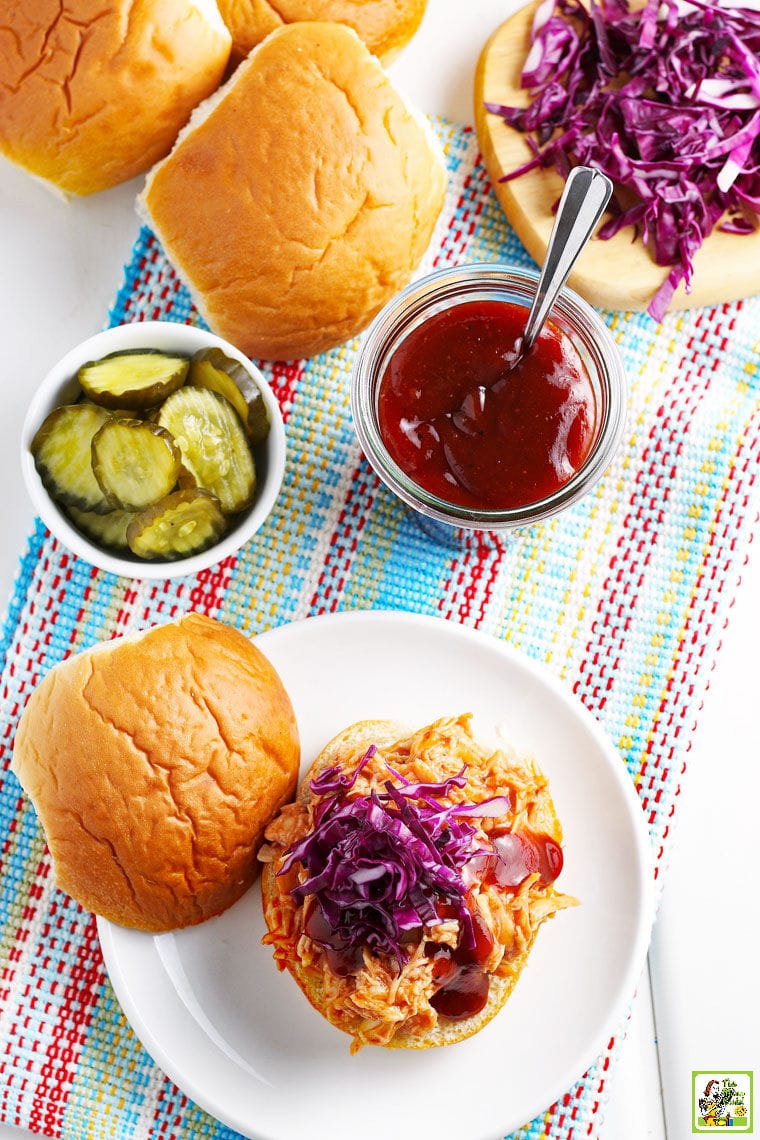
pixel 518 854
pixel 459 972
pixel 343 956
pixel 463 981
pixel 471 421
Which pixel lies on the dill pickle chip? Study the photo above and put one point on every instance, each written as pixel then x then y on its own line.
pixel 62 455
pixel 135 462
pixel 186 481
pixel 136 379
pixel 212 368
pixel 114 413
pixel 109 531
pixel 213 445
pixel 184 523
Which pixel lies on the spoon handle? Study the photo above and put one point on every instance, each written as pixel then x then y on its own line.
pixel 582 204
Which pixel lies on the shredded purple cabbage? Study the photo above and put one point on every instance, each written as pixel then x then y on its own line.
pixel 666 102
pixel 383 865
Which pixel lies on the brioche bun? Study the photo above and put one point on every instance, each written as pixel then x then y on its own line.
pixel 154 763
pixel 344 750
pixel 385 26
pixel 300 198
pixel 93 95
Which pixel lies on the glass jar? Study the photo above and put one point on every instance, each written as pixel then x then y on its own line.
pixel 486 281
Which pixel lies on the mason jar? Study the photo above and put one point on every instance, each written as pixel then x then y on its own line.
pixel 440 291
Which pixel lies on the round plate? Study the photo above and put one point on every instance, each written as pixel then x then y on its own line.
pixel 615 274
pixel 241 1039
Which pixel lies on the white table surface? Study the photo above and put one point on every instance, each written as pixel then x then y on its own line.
pixel 698 1003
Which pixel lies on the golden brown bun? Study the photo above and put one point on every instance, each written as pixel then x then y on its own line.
pixel 154 763
pixel 352 740
pixel 385 26
pixel 301 198
pixel 94 94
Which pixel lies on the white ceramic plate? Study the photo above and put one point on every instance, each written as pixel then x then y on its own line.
pixel 242 1041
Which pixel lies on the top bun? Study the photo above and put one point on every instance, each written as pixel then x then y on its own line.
pixel 299 200
pixel 93 95
pixel 154 763
pixel 385 26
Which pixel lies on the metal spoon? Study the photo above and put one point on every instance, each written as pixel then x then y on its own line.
pixel 582 204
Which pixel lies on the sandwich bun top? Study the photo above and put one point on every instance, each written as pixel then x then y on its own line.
pixel 385 26
pixel 301 197
pixel 154 762
pixel 93 95
pixel 379 1003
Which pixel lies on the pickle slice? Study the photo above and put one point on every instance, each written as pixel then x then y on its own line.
pixel 184 523
pixel 186 481
pixel 109 531
pixel 133 379
pixel 62 450
pixel 212 368
pixel 114 413
pixel 213 444
pixel 135 462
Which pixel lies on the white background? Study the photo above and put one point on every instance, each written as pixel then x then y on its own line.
pixel 60 266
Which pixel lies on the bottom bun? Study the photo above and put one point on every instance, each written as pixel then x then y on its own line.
pixel 377 1003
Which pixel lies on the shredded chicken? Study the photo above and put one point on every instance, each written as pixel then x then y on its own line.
pixel 381 998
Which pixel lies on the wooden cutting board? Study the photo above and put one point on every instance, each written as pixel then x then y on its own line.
pixel 614 274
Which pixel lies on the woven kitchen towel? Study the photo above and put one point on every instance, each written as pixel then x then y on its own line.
pixel 623 597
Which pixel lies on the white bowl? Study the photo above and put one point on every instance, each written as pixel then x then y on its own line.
pixel 60 387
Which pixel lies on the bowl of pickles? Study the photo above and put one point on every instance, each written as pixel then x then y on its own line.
pixel 153 449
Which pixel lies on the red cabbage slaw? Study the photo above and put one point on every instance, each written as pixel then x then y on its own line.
pixel 389 863
pixel 666 102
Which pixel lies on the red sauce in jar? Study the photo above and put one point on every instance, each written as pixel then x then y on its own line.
pixel 469 422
